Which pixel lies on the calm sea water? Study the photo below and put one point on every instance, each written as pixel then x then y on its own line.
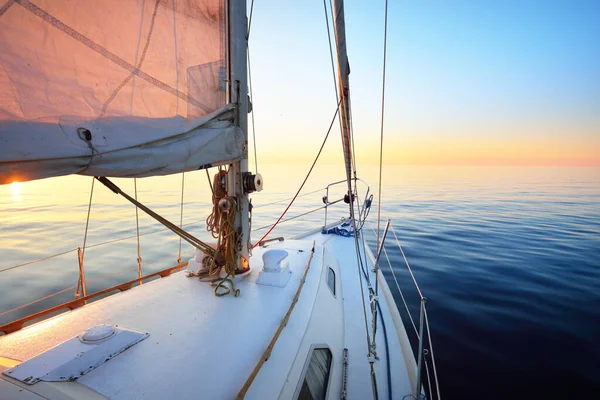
pixel 509 259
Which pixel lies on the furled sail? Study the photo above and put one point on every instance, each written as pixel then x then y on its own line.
pixel 123 88
pixel 343 86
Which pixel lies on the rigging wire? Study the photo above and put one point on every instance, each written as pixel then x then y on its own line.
pixel 288 199
pixel 87 221
pixel 435 377
pixel 137 228
pixel 92 245
pixel 252 102
pixel 180 216
pixel 337 98
pixel 250 84
pixel 250 20
pixel 382 120
pixel 80 254
pixel 337 109
pixel 290 218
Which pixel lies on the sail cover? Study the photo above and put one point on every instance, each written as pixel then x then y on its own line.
pixel 124 88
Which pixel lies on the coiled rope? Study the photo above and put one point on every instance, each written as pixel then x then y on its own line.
pixel 221 224
pixel 213 221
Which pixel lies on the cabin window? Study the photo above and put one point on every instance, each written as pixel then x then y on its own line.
pixel 331 280
pixel 316 376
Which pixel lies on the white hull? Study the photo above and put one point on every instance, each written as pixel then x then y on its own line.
pixel 202 346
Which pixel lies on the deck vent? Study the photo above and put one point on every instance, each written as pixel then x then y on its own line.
pixel 276 269
pixel 98 334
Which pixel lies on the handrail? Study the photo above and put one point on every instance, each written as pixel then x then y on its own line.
pixel 326 197
pixel 76 303
pixel 423 333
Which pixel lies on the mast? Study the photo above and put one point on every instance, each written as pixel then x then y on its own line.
pixel 343 88
pixel 238 93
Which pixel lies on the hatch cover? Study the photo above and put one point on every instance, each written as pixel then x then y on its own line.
pixel 77 356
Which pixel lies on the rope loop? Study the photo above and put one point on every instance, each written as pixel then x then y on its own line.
pixel 85 135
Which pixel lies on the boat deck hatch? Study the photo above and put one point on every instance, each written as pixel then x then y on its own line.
pixel 76 356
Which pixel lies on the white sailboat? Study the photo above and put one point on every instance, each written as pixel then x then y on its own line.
pixel 85 90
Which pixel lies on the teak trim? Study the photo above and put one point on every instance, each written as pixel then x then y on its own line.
pixel 76 303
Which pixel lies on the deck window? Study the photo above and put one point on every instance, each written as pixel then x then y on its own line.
pixel 316 376
pixel 331 280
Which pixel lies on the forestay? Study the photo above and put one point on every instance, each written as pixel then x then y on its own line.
pixel 115 88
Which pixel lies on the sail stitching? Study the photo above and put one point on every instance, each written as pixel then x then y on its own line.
pixel 44 15
pixel 139 65
pixel 6 6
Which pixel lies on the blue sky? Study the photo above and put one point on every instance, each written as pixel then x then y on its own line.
pixel 515 82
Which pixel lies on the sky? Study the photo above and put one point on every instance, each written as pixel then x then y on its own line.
pixel 468 82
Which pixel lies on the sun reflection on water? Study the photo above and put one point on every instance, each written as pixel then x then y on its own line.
pixel 15 191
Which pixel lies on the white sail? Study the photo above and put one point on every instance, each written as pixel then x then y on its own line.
pixel 147 79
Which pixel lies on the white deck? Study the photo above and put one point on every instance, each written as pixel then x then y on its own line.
pixel 202 346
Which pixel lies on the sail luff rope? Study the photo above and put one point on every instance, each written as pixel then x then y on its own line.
pixel 337 109
pixel 137 227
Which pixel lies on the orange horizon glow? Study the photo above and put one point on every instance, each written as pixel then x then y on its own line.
pixel 415 151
